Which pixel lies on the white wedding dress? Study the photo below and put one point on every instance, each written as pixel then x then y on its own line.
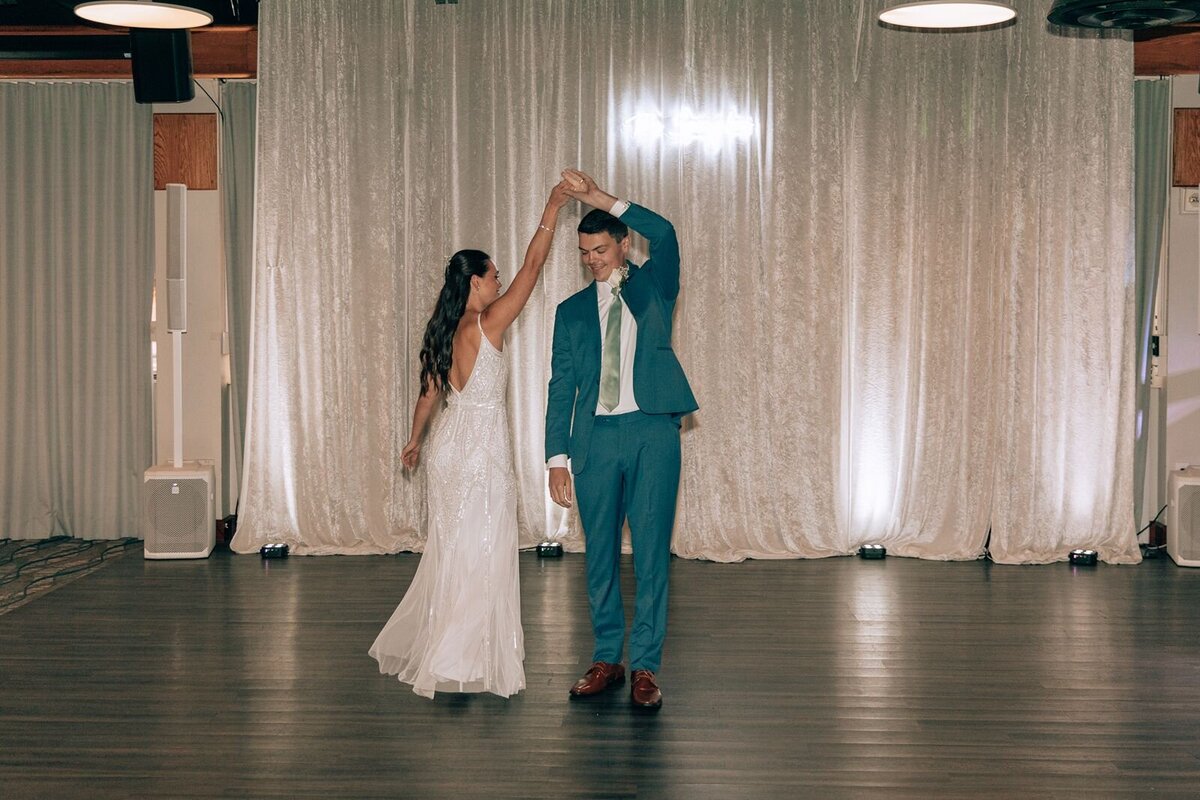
pixel 458 628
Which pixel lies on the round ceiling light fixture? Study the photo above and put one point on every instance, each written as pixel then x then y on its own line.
pixel 142 14
pixel 948 14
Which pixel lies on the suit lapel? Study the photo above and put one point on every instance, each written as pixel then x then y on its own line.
pixel 634 292
pixel 589 315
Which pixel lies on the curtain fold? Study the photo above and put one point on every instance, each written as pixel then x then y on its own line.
pixel 238 117
pixel 1064 394
pixel 1152 183
pixel 906 307
pixel 76 277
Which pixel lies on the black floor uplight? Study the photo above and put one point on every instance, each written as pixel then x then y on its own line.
pixel 1082 558
pixel 274 550
pixel 549 549
pixel 872 551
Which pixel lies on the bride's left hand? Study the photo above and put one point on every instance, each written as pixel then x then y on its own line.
pixel 558 196
pixel 411 454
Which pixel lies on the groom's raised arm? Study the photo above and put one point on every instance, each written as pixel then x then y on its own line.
pixel 663 265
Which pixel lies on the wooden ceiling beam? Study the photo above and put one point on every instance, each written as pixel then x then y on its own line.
pixel 218 51
pixel 231 51
pixel 1170 50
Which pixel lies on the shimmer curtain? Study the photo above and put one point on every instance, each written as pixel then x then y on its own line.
pixel 238 117
pixel 907 258
pixel 1152 183
pixel 76 276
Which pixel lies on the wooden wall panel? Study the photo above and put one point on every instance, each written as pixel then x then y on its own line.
pixel 227 52
pixel 1185 171
pixel 185 150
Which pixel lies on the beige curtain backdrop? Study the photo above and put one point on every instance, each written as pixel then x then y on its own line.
pixel 76 276
pixel 907 302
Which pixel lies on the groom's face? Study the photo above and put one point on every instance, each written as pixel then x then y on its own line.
pixel 601 253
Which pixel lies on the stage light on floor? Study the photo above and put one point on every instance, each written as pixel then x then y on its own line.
pixel 872 551
pixel 273 551
pixel 1083 558
pixel 549 549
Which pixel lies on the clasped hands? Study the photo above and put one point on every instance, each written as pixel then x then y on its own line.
pixel 581 186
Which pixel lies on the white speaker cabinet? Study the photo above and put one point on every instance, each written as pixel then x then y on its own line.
pixel 1183 517
pixel 178 515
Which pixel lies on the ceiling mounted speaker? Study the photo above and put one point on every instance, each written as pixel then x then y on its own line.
pixel 1124 14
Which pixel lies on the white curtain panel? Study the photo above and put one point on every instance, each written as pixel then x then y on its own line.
pixel 907 263
pixel 76 276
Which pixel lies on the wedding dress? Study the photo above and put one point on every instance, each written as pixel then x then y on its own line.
pixel 458 628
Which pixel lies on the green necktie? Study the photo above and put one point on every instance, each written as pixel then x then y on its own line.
pixel 610 359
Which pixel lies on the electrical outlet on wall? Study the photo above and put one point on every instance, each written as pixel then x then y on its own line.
pixel 1189 200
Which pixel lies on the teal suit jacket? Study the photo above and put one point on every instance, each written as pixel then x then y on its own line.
pixel 659 383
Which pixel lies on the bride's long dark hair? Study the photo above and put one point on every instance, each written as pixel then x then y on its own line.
pixel 438 347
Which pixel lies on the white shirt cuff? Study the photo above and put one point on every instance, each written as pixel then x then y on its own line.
pixel 619 208
pixel 557 461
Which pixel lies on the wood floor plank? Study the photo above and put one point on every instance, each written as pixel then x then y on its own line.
pixel 233 677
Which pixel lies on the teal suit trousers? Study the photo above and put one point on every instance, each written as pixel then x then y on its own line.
pixel 633 473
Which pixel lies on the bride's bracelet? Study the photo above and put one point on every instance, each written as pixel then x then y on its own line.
pixel 543 227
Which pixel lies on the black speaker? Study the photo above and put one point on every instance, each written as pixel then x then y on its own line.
pixel 162 65
pixel 1123 14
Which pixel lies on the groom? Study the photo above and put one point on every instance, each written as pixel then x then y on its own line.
pixel 616 397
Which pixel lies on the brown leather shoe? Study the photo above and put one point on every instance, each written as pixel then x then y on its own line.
pixel 599 677
pixel 643 691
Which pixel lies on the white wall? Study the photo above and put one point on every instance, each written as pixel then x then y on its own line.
pixel 205 367
pixel 1180 348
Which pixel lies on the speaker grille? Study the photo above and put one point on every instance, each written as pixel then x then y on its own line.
pixel 1188 535
pixel 175 519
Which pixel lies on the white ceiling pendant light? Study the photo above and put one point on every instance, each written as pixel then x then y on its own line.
pixel 142 14
pixel 948 14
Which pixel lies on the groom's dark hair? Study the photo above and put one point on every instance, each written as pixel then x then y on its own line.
pixel 597 221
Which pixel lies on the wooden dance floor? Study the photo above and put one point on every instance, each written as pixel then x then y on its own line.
pixel 234 677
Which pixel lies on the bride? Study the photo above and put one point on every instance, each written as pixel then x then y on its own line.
pixel 458 628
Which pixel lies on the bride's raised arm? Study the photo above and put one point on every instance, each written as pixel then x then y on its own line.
pixel 500 314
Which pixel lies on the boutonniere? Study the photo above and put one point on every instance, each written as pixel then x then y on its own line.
pixel 623 271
